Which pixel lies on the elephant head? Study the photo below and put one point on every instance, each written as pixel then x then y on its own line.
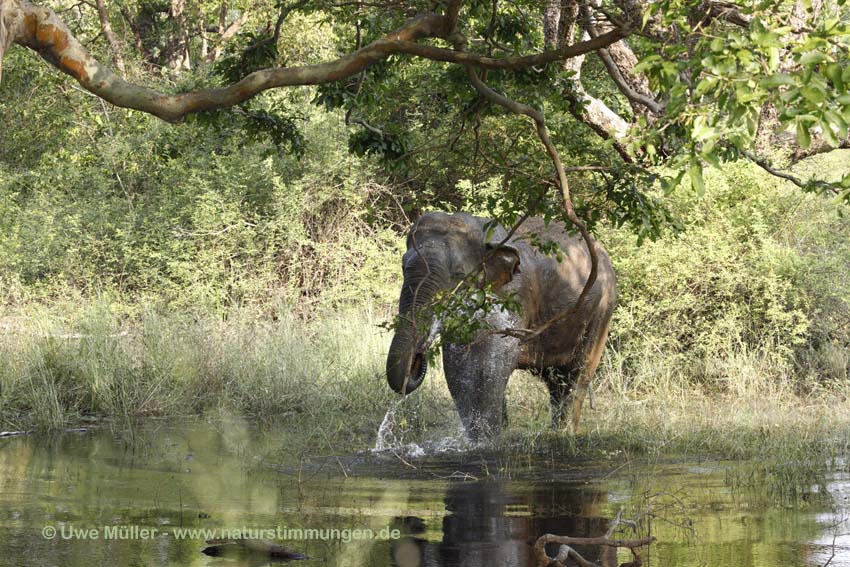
pixel 442 250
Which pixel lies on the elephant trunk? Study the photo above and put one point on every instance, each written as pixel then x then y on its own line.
pixel 407 363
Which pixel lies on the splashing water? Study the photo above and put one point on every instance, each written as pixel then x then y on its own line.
pixel 386 437
pixel 388 441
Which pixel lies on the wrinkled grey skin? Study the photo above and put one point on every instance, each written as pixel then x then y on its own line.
pixel 441 249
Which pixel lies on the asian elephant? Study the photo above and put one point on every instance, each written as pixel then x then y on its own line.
pixel 441 250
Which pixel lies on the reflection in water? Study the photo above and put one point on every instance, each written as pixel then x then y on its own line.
pixel 202 476
pixel 487 523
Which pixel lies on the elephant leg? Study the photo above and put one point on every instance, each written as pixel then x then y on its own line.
pixel 559 380
pixel 592 357
pixel 477 379
pixel 477 375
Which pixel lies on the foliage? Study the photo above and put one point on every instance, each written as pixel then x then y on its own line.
pixel 193 215
pixel 737 279
pixel 731 73
pixel 289 204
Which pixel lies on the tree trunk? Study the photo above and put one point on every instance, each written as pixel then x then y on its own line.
pixel 106 27
pixel 177 46
pixel 227 33
pixel 592 111
pixel 551 21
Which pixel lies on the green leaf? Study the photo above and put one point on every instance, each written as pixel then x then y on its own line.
pixel 669 184
pixel 709 155
pixel 701 130
pixel 829 134
pixel 647 63
pixel 705 85
pixel 789 95
pixel 813 94
pixel 835 119
pixel 814 57
pixel 695 173
pixel 833 71
pixel 804 139
pixel 777 80
pixel 773 58
pixel 752 123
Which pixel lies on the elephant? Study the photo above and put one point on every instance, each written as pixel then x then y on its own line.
pixel 442 249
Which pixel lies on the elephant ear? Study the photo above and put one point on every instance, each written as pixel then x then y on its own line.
pixel 501 264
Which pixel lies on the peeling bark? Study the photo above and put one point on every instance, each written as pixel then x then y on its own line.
pixel 592 112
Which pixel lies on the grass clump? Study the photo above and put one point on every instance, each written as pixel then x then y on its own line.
pixel 57 370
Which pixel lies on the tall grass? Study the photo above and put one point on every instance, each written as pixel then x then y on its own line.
pixel 326 375
pixel 756 408
pixel 57 370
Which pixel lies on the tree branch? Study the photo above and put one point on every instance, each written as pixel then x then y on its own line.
pixel 43 31
pixel 727 12
pixel 614 70
pixel 543 133
pixel 226 33
pixel 591 111
pixel 800 154
pixel 452 14
pixel 281 17
pixel 543 559
pixel 765 165
pixel 137 32
pixel 507 63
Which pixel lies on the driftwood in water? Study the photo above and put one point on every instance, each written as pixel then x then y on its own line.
pixel 224 547
pixel 565 551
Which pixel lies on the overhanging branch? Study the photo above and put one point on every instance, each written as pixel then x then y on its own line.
pixel 614 70
pixel 42 30
pixel 765 165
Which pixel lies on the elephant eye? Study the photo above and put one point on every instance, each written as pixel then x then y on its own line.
pixel 460 274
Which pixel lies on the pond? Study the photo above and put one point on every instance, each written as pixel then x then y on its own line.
pixel 154 496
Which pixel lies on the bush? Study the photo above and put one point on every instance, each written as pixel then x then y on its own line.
pixel 750 275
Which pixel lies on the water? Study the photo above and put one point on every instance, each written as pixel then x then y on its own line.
pixel 456 507
pixel 390 441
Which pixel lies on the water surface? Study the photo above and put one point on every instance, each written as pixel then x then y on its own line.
pixel 450 509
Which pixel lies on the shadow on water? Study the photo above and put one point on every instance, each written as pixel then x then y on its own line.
pixel 136 501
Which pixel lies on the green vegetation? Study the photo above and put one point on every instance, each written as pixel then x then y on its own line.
pixel 244 261
pixel 730 337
